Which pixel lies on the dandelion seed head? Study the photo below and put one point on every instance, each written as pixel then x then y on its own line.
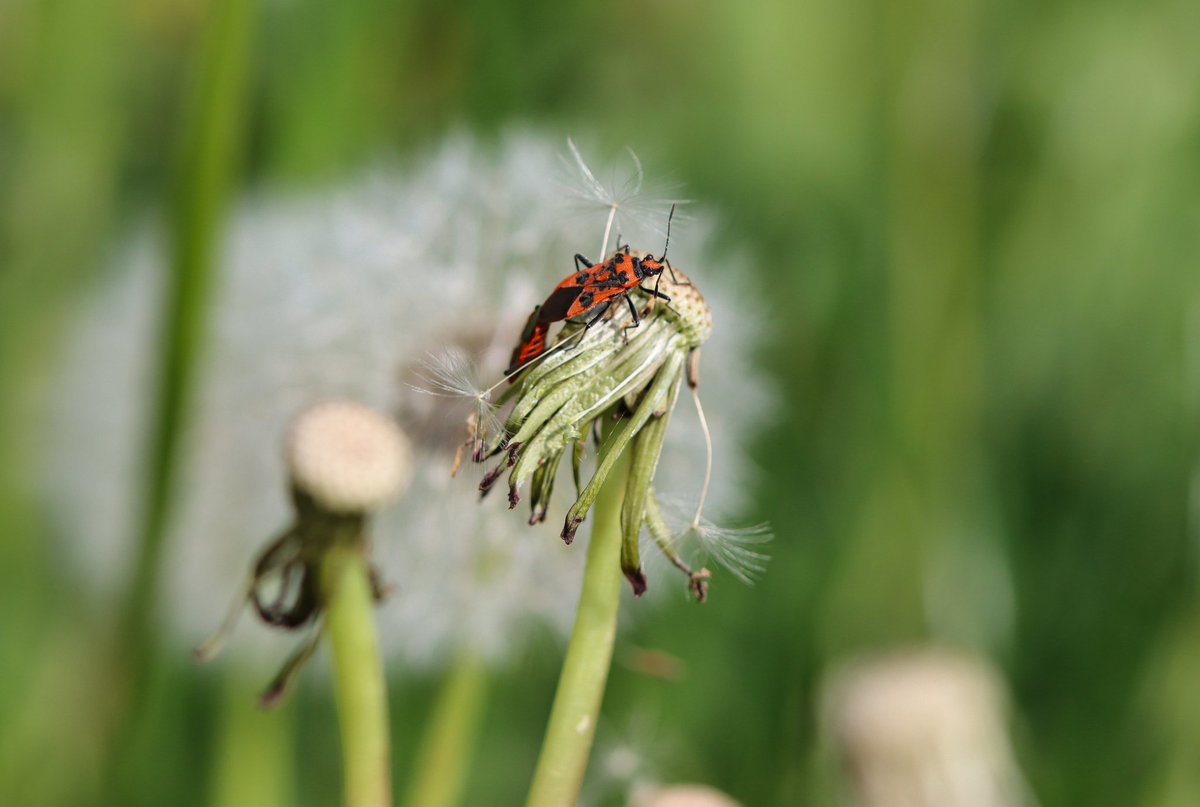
pixel 356 292
pixel 99 412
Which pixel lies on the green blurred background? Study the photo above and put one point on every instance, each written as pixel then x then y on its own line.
pixel 978 225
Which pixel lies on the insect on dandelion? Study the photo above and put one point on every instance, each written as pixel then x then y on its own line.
pixel 613 370
pixel 622 354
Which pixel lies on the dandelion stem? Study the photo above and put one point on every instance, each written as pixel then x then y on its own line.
pixel 358 679
pixel 449 742
pixel 573 717
pixel 208 168
pixel 708 462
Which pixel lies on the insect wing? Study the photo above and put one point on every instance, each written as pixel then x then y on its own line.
pixel 530 348
pixel 561 303
pixel 591 297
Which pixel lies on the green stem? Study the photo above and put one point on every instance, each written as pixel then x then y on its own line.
pixel 208 166
pixel 573 717
pixel 449 742
pixel 213 136
pixel 358 679
pixel 254 758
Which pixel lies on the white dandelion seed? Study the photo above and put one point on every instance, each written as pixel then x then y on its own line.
pixel 624 202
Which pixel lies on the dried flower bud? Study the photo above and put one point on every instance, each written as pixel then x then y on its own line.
pixel 924 729
pixel 345 461
pixel 348 457
pixel 682 796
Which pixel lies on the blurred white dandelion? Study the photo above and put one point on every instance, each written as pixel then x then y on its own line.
pixel 924 728
pixel 681 796
pixel 347 293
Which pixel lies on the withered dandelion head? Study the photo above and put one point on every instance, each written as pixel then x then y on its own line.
pixel 626 365
pixel 345 461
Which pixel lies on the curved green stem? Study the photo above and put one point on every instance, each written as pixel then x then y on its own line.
pixel 449 742
pixel 573 717
pixel 358 679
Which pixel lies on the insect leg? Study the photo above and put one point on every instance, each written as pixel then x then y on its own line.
pixel 579 259
pixel 633 310
pixel 603 309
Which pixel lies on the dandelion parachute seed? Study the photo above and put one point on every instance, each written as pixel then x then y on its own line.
pixel 452 374
pixel 626 198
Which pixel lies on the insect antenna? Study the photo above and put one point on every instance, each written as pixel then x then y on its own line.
pixel 663 259
pixel 670 216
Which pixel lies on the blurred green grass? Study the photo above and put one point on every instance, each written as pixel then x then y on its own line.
pixel 978 225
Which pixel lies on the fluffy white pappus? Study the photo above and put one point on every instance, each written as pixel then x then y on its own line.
pixel 468 573
pixel 340 293
pixel 622 201
pixel 454 374
pixel 741 551
pixel 98 419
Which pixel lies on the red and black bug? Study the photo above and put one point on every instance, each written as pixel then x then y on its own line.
pixel 533 341
pixel 590 287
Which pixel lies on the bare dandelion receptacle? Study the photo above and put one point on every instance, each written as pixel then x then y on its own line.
pixel 348 457
pixel 345 461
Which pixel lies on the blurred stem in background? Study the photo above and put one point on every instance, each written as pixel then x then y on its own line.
pixel 450 739
pixel 576 710
pixel 213 139
pixel 61 136
pixel 1168 697
pixel 254 758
